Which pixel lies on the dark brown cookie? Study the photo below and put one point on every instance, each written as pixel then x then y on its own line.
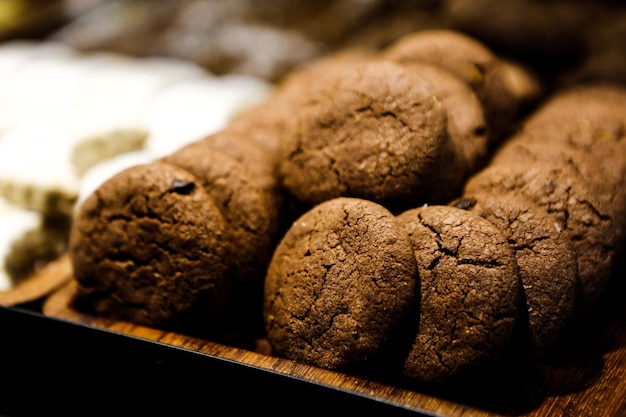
pixel 588 117
pixel 470 293
pixel 578 210
pixel 244 205
pixel 150 246
pixel 258 161
pixel 496 82
pixel 467 130
pixel 546 263
pixel 369 130
pixel 339 283
pixel 605 176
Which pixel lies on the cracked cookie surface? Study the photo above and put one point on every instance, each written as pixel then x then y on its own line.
pixel 469 293
pixel 150 246
pixel 340 281
pixel 368 130
pixel 578 209
pixel 243 203
pixel 546 263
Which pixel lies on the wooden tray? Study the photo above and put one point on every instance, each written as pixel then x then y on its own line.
pixel 586 376
pixel 40 284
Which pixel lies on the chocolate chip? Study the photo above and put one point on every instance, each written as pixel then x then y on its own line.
pixel 182 187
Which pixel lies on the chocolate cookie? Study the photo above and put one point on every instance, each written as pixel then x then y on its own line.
pixel 470 293
pixel 578 210
pixel 244 205
pixel 495 81
pixel 546 263
pixel 588 117
pixel 258 161
pixel 467 129
pixel 150 246
pixel 339 283
pixel 605 176
pixel 370 130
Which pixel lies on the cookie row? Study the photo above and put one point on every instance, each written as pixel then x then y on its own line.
pixel 569 158
pixel 374 145
pixel 399 128
pixel 504 269
pixel 429 295
pixel 402 126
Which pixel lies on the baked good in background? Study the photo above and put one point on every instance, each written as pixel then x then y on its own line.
pixel 28 241
pixel 371 130
pixel 551 32
pixel 504 89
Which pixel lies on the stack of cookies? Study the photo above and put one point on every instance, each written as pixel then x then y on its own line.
pixel 528 247
pixel 393 206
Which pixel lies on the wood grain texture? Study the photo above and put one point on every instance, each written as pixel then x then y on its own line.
pixel 586 375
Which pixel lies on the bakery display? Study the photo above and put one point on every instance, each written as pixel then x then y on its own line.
pixel 435 209
pixel 387 157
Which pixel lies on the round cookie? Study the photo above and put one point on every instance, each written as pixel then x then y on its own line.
pixel 495 81
pixel 603 175
pixel 546 263
pixel 467 130
pixel 340 281
pixel 369 130
pixel 588 117
pixel 578 210
pixel 258 161
pixel 470 294
pixel 244 205
pixel 150 246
